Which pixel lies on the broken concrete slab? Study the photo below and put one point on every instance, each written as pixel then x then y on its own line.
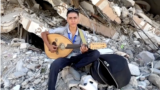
pixel 157 65
pixel 139 21
pixel 145 5
pixel 75 74
pixel 10 20
pixel 98 28
pixel 156 25
pixel 147 25
pixel 134 69
pixel 155 79
pixel 32 26
pixel 86 5
pixel 117 9
pixel 17 42
pixel 153 37
pixel 17 87
pixel 125 12
pixel 17 75
pixel 1 5
pixel 104 5
pixel 155 71
pixel 128 3
pixel 24 45
pixel 146 56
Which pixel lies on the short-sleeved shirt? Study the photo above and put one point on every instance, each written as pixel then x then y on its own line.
pixel 66 32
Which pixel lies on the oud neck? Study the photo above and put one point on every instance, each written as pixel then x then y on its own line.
pixel 73 46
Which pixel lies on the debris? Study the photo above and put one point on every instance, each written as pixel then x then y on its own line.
pixel 20 68
pixel 104 5
pixel 147 56
pixel 14 56
pixel 145 5
pixel 105 51
pixel 9 21
pixel 17 87
pixel 117 9
pixel 155 71
pixel 17 75
pixel 64 73
pixel 133 82
pixel 122 54
pixel 37 81
pixel 125 12
pixel 32 66
pixel 155 79
pixel 74 73
pixel 128 3
pixel 24 45
pixel 6 83
pixel 157 65
pixel 28 52
pixel 130 53
pixel 73 83
pixel 142 84
pixel 31 88
pixel 88 83
pixel 87 6
pixel 134 69
pixel 17 42
pixel 142 78
pixel 2 42
pixel 69 77
pixel 128 87
pixel 111 21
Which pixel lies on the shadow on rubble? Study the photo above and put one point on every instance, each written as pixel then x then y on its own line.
pixel 30 38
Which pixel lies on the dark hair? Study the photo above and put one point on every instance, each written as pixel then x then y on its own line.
pixel 72 10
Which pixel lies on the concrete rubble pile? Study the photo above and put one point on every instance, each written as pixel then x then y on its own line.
pixel 125 26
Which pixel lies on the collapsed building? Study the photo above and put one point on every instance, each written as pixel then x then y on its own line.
pixel 123 25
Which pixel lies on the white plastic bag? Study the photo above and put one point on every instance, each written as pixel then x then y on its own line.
pixel 88 83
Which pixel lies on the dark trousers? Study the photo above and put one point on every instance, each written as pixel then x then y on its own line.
pixel 77 61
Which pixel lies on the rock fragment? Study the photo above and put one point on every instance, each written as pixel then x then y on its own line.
pixel 134 69
pixel 155 79
pixel 17 87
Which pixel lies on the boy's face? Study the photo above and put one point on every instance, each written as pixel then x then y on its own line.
pixel 73 19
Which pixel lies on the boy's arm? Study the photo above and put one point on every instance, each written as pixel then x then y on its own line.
pixel 44 37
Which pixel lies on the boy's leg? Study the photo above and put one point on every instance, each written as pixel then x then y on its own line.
pixel 55 68
pixel 85 58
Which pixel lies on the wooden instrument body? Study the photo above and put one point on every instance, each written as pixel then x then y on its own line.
pixel 59 39
pixel 65 46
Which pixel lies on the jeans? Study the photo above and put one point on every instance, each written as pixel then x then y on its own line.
pixel 78 61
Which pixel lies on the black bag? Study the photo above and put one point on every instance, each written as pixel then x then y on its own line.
pixel 111 69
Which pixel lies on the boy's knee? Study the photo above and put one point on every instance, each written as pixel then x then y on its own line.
pixel 55 64
pixel 96 54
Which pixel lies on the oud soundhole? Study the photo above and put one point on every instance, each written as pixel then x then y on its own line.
pixel 54 43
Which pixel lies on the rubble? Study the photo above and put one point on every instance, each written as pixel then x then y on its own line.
pixel 17 87
pixel 125 27
pixel 128 3
pixel 104 5
pixel 146 56
pixel 155 79
pixel 134 69
pixel 74 73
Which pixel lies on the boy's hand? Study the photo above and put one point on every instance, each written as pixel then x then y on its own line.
pixel 52 48
pixel 83 48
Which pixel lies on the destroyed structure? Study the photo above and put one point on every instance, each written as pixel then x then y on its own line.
pixel 130 28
